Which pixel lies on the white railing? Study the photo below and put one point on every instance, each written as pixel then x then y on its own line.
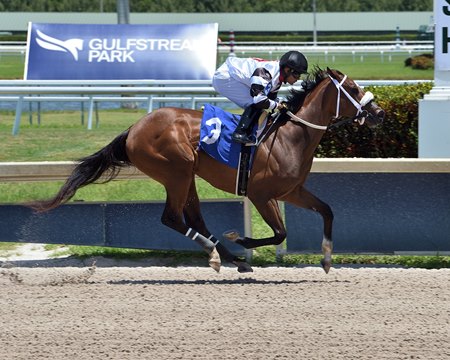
pixel 50 171
pixel 267 46
pixel 148 91
pixel 93 92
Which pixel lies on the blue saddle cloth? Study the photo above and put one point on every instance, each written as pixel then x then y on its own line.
pixel 215 135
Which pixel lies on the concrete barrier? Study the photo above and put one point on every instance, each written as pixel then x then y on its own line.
pixel 115 224
pixel 380 205
pixel 394 206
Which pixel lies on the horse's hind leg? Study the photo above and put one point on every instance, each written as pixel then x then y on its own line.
pixel 194 219
pixel 177 189
pixel 304 199
pixel 173 218
pixel 160 145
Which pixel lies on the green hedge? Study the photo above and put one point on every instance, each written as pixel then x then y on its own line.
pixel 397 137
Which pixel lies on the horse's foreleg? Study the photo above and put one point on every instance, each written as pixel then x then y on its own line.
pixel 194 219
pixel 304 199
pixel 270 212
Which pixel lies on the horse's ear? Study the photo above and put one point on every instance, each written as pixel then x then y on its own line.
pixel 332 72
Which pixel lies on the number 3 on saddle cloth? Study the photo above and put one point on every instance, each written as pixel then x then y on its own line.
pixel 215 139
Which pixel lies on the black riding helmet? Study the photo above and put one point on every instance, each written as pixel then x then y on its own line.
pixel 295 60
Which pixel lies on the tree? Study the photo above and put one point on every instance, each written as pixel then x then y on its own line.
pixel 192 6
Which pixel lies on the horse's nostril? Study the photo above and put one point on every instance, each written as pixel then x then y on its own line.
pixel 380 114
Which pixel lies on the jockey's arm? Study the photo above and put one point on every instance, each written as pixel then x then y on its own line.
pixel 260 90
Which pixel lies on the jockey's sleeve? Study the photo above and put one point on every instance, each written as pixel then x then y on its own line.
pixel 260 89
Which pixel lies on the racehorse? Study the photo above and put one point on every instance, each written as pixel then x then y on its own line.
pixel 164 145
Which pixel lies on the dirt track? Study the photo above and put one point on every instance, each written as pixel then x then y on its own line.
pixel 194 313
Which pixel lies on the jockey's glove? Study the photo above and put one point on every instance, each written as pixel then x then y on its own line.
pixel 282 107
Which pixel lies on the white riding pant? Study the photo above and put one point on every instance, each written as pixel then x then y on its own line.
pixel 232 89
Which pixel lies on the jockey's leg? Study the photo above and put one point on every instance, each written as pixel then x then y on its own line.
pixel 248 117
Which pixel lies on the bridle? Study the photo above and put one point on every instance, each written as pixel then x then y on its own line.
pixel 361 113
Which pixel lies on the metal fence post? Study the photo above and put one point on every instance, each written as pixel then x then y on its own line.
pixel 91 110
pixel 248 225
pixel 16 126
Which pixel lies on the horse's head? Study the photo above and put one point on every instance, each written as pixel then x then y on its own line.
pixel 352 102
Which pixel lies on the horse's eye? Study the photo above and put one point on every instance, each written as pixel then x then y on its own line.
pixel 354 91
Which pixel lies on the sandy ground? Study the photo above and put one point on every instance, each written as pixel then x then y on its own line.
pixel 65 309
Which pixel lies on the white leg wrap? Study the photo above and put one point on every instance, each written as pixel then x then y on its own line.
pixel 205 243
pixel 213 239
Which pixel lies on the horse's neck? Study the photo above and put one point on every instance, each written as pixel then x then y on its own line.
pixel 317 106
pixel 315 110
pixel 298 141
pixel 303 140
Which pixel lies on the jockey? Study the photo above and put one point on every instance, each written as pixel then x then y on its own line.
pixel 253 84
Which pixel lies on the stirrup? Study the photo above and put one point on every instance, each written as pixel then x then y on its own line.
pixel 242 139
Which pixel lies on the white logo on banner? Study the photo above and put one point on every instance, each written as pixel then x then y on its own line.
pixel 49 43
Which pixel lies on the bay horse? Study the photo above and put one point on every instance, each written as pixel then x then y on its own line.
pixel 164 145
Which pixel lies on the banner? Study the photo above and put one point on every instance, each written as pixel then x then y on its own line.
pixel 121 52
pixel 442 34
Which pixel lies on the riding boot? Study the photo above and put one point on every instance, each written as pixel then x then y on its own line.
pixel 240 135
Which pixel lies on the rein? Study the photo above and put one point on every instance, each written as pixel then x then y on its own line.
pixel 295 118
pixel 360 116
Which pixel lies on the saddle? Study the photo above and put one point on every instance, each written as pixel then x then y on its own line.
pixel 216 129
pixel 265 125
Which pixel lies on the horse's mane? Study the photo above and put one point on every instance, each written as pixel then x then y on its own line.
pixel 296 98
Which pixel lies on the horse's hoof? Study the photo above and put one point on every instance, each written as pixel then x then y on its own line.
pixel 214 260
pixel 243 267
pixel 215 265
pixel 231 235
pixel 326 265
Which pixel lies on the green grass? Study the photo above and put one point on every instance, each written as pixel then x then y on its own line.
pixel 361 66
pixel 11 66
pixel 370 67
pixel 60 136
pixel 6 246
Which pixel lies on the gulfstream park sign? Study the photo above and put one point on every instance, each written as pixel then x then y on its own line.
pixel 434 109
pixel 442 33
pixel 98 52
pixel 111 50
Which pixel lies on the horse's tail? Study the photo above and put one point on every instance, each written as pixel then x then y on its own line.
pixel 108 160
